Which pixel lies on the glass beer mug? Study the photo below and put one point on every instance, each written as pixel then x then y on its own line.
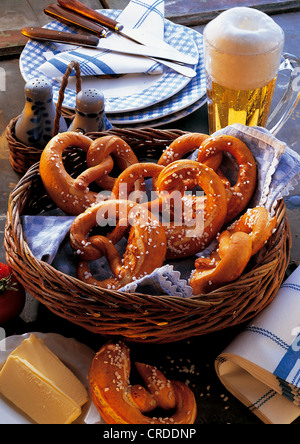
pixel 243 55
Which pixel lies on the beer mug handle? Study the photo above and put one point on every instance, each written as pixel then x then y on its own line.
pixel 289 100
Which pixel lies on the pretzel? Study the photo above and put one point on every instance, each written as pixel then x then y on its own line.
pixel 240 194
pixel 98 151
pixel 59 185
pixel 236 246
pixel 129 184
pixel 196 232
pixel 146 246
pixel 224 266
pixel 258 223
pixel 183 145
pixel 120 403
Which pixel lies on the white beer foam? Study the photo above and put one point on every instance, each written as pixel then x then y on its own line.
pixel 243 48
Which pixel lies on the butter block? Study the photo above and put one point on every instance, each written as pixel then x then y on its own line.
pixel 37 382
pixel 35 396
pixel 34 351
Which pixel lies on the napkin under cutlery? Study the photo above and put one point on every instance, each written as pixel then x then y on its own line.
pixel 261 366
pixel 147 15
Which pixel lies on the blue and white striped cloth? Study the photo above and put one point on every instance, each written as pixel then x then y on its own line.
pixel 147 15
pixel 261 367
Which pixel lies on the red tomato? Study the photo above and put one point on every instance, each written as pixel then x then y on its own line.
pixel 12 295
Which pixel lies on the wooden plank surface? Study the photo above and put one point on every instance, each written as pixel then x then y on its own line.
pixel 198 12
pixel 16 14
pixel 19 13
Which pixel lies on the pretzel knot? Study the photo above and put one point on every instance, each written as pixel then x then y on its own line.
pixel 224 266
pixel 131 184
pixel 120 403
pixel 236 246
pixel 60 186
pixel 205 218
pixel 183 145
pixel 240 193
pixel 96 155
pixel 258 223
pixel 146 245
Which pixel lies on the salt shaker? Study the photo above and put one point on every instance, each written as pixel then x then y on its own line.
pixel 35 124
pixel 90 115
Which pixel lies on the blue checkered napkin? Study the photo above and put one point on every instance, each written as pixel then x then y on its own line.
pixel 147 15
pixel 278 166
pixel 163 281
pixel 47 236
pixel 44 234
pixel 261 367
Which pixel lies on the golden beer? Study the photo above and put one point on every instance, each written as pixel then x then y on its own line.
pixel 243 48
pixel 227 106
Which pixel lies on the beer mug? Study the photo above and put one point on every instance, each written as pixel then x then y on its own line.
pixel 243 55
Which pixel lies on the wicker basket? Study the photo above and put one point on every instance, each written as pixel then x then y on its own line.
pixel 21 156
pixel 140 317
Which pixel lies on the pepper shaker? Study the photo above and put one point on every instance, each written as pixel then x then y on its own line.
pixel 35 124
pixel 90 115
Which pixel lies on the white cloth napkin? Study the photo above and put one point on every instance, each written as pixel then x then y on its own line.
pixel 147 15
pixel 261 367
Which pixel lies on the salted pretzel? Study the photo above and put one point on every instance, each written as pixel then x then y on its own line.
pixel 120 403
pixel 201 225
pixel 236 246
pixel 187 143
pixel 182 145
pixel 98 151
pixel 146 245
pixel 59 185
pixel 239 194
pixel 258 223
pixel 130 184
pixel 224 266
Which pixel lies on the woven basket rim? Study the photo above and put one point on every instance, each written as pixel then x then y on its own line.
pixel 273 260
pixel 34 170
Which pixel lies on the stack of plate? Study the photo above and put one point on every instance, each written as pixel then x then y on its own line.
pixel 138 100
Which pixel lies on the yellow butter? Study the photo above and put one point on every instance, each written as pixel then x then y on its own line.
pixel 37 382
pixel 50 366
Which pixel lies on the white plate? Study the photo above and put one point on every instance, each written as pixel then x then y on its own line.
pixel 191 94
pixel 123 94
pixel 76 356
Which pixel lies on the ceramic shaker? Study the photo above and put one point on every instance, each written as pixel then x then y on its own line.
pixel 90 114
pixel 35 124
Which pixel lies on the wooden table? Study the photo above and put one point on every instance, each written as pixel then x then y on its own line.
pixel 190 360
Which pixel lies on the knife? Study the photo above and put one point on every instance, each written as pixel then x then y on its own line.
pixel 72 18
pixel 133 34
pixel 44 34
pixel 92 41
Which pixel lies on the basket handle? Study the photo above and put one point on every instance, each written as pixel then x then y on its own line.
pixel 72 65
